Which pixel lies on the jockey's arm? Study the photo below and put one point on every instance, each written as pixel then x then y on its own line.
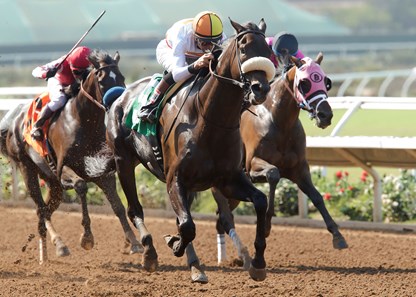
pixel 41 71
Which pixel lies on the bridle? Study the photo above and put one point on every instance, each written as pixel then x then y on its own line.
pixel 97 85
pixel 243 83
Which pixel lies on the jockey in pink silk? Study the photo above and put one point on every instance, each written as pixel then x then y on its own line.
pixel 281 41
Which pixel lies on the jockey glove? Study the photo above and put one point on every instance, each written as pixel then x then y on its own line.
pixel 51 72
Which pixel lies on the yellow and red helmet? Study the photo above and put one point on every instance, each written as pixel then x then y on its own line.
pixel 207 26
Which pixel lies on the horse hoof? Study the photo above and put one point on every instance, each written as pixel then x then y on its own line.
pixel 150 265
pixel 149 259
pixel 339 243
pixel 197 273
pixel 174 242
pixel 246 258
pixel 136 249
pixel 87 241
pixel 62 251
pixel 257 274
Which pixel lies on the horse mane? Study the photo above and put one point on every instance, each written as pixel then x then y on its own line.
pixel 98 56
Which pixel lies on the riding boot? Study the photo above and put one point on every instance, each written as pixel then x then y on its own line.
pixel 148 112
pixel 37 132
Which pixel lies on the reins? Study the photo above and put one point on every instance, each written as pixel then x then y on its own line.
pixel 86 94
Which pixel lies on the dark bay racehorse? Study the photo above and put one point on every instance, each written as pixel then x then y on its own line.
pixel 76 133
pixel 275 144
pixel 201 144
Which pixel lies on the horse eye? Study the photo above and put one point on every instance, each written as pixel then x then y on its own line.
pixel 328 83
pixel 304 86
pixel 243 51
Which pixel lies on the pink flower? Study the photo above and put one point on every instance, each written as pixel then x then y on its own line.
pixel 327 196
pixel 342 190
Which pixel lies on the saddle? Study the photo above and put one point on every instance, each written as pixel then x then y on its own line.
pixel 31 117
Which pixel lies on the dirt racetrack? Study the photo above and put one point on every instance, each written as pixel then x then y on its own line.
pixel 300 262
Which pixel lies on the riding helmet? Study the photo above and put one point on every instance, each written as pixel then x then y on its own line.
pixel 207 26
pixel 78 59
pixel 284 40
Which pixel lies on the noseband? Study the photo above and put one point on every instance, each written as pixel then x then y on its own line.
pixel 97 85
pixel 244 83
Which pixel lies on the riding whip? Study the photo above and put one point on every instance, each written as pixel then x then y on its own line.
pixel 81 39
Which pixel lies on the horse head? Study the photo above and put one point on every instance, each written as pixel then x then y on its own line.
pixel 104 78
pixel 247 61
pixel 310 89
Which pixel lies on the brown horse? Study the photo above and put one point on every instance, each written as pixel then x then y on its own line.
pixel 275 145
pixel 76 132
pixel 200 143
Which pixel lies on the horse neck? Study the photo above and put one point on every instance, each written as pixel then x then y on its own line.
pixel 88 111
pixel 283 107
pixel 220 103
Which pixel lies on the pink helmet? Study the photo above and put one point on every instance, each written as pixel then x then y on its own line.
pixel 78 59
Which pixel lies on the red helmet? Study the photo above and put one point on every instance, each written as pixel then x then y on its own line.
pixel 78 59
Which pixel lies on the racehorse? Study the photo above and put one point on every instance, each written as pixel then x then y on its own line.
pixel 275 145
pixel 198 131
pixel 75 133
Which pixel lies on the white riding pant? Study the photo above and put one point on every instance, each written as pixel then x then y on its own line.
pixel 56 94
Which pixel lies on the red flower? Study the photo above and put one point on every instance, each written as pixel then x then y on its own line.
pixel 346 173
pixel 327 196
pixel 363 178
pixel 342 190
pixel 338 174
pixel 365 173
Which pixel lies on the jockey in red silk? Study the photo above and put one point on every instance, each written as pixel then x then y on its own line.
pixel 68 72
pixel 282 41
pixel 184 51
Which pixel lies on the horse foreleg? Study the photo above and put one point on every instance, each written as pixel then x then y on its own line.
pixel 225 223
pixel 186 227
pixel 197 273
pixel 307 187
pixel 125 170
pixel 262 170
pixel 70 180
pixel 108 185
pixel 242 189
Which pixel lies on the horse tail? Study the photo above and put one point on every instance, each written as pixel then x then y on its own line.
pixel 101 163
pixel 5 124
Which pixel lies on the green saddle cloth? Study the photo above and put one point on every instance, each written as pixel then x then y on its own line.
pixel 132 119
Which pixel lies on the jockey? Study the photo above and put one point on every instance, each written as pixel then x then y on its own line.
pixel 283 41
pixel 184 51
pixel 68 72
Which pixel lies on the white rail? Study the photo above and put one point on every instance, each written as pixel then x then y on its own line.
pixel 350 104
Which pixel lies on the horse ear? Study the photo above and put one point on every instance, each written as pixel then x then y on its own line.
pixel 262 26
pixel 116 57
pixel 296 61
pixel 238 28
pixel 319 58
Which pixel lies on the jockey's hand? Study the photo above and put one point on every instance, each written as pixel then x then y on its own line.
pixel 51 72
pixel 203 61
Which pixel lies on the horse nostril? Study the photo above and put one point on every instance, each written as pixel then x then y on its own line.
pixel 255 88
pixel 262 89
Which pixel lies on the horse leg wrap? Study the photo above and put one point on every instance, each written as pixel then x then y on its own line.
pixel 222 252
pixel 236 241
